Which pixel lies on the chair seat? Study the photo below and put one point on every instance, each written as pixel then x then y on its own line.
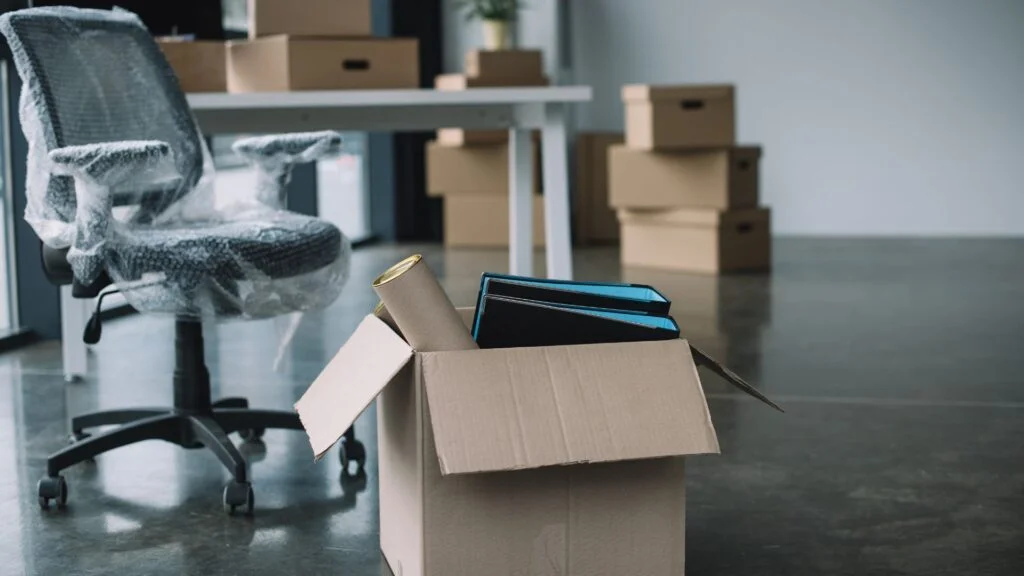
pixel 270 245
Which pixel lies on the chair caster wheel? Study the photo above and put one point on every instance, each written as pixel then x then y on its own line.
pixel 252 434
pixel 351 452
pixel 53 488
pixel 238 496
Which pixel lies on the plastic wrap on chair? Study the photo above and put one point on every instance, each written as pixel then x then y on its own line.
pixel 119 174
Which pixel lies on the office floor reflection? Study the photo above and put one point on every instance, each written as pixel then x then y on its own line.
pixel 897 361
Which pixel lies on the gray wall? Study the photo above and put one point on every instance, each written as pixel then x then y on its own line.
pixel 877 117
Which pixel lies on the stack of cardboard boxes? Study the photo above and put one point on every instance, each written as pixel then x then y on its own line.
pixel 308 45
pixel 318 45
pixel 469 168
pixel 686 194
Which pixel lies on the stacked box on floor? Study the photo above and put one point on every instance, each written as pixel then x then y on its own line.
pixel 687 196
pixel 469 168
pixel 318 45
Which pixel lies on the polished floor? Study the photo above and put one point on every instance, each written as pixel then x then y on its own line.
pixel 902 450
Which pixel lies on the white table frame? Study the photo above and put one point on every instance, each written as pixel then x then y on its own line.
pixel 520 110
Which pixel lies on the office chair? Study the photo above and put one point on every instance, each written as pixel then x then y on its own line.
pixel 120 192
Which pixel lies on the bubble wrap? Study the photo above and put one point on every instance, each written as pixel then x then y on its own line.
pixel 120 176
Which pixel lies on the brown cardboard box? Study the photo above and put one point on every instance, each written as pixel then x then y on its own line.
pixel 523 460
pixel 504 65
pixel 673 117
pixel 473 170
pixel 463 137
pixel 481 221
pixel 455 82
pixel 201 65
pixel 697 240
pixel 720 179
pixel 309 18
pixel 596 223
pixel 283 63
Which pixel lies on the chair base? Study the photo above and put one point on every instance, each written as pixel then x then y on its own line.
pixel 194 422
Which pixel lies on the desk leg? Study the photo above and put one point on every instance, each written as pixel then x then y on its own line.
pixel 520 203
pixel 74 313
pixel 557 222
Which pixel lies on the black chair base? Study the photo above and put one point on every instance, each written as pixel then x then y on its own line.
pixel 194 422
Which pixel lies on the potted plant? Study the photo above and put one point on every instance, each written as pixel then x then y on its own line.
pixel 496 16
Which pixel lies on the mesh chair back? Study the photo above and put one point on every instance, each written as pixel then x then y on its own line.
pixel 93 76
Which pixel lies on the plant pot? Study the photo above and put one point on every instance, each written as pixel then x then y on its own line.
pixel 496 34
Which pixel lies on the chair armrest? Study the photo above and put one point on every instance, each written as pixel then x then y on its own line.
pixel 111 163
pixel 277 150
pixel 97 170
pixel 275 155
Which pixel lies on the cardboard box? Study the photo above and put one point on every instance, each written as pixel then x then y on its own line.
pixel 461 137
pixel 284 63
pixel 481 221
pixel 504 65
pixel 476 170
pixel 596 223
pixel 674 117
pixel 310 18
pixel 697 240
pixel 720 179
pixel 456 82
pixel 201 65
pixel 524 460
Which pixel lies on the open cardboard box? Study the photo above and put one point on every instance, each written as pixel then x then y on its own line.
pixel 551 460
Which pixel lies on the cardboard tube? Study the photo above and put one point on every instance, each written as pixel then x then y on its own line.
pixel 381 312
pixel 422 311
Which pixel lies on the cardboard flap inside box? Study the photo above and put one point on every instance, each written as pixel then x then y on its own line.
pixel 520 408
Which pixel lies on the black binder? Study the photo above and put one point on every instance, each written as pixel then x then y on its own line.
pixel 505 322
pixel 638 298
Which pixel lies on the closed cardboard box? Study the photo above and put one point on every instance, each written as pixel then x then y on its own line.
pixel 463 137
pixel 201 65
pixel 504 65
pixel 284 63
pixel 674 117
pixel 455 82
pixel 596 222
pixel 697 240
pixel 310 18
pixel 481 221
pixel 721 179
pixel 471 481
pixel 478 170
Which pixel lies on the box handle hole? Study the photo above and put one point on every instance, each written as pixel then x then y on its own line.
pixel 692 104
pixel 355 65
pixel 744 228
pixel 743 165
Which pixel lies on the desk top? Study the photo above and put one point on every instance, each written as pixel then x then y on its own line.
pixel 387 98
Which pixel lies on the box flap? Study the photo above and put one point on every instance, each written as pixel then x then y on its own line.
pixel 352 379
pixel 515 408
pixel 647 92
pixel 691 216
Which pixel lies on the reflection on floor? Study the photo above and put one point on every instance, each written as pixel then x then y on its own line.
pixel 898 361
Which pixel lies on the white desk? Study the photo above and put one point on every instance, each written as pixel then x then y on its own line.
pixel 521 110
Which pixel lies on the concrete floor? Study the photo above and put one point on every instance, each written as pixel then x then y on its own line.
pixel 902 451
